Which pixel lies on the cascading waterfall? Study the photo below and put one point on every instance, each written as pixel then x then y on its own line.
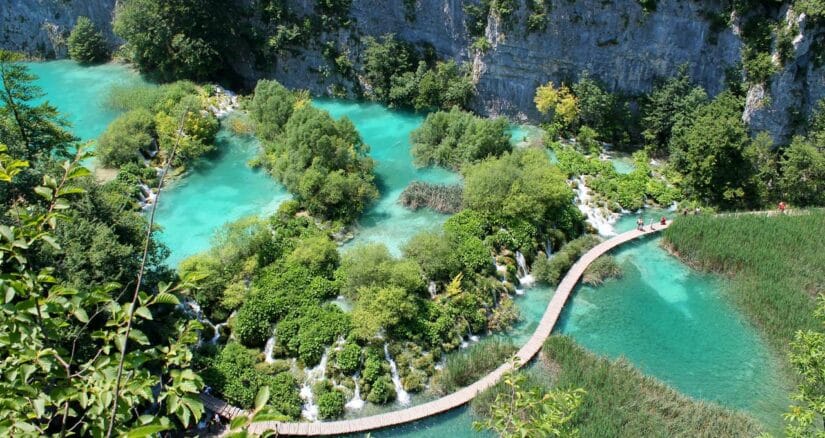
pixel 356 402
pixel 268 349
pixel 403 396
pixel 432 287
pixel 524 277
pixel 548 248
pixel 313 375
pixel 603 224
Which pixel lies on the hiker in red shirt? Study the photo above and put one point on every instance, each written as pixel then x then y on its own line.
pixel 663 221
pixel 782 207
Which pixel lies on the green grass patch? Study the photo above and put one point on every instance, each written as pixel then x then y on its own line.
pixel 464 368
pixel 622 402
pixel 776 264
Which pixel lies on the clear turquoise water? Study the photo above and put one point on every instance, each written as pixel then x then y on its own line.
pixel 670 321
pixel 675 323
pixel 388 134
pixel 216 191
pixel 80 92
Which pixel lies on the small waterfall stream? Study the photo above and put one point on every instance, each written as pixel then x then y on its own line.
pixel 603 224
pixel 268 349
pixel 313 375
pixel 524 277
pixel 403 396
pixel 356 402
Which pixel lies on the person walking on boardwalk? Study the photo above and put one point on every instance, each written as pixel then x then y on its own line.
pixel 663 221
pixel 640 224
pixel 782 207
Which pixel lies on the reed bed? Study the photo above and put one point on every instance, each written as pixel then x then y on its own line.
pixel 464 368
pixel 776 264
pixel 621 401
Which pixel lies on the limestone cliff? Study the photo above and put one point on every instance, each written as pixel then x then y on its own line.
pixel 616 41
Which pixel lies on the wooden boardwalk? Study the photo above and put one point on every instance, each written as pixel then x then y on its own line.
pixel 462 396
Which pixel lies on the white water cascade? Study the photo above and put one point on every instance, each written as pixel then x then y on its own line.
pixel 403 396
pixel 432 288
pixel 356 402
pixel 524 277
pixel 268 349
pixel 313 375
pixel 548 248
pixel 595 216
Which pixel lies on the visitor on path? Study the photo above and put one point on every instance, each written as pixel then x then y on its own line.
pixel 640 224
pixel 663 221
pixel 782 207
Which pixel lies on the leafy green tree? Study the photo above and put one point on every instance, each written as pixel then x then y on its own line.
pixel 435 254
pixel 324 163
pixel 176 39
pixel 86 43
pixel 803 173
pixel 382 391
pixel 455 138
pixel 126 137
pixel 70 343
pixel 519 411
pixel 200 129
pixel 384 59
pixel 602 111
pixel 806 417
pixel 380 310
pixel 373 265
pixel 559 102
pixel 709 149
pixel 270 108
pixel 672 102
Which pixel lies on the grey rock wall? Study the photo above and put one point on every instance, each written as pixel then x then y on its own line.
pixel 40 27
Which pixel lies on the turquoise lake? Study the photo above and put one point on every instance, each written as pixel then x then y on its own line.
pixel 672 322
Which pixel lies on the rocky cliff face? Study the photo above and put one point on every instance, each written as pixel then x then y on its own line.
pixel 614 40
pixel 40 27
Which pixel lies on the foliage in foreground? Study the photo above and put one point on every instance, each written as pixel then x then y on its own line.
pixel 776 263
pixel 807 415
pixel 619 400
pixel 519 411
pixel 56 383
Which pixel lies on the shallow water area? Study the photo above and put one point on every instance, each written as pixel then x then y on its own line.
pixel 80 92
pixel 217 190
pixel 675 324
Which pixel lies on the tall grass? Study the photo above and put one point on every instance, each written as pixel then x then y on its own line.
pixel 464 368
pixel 621 401
pixel 776 263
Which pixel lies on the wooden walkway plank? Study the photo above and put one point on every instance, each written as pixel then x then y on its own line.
pixel 463 395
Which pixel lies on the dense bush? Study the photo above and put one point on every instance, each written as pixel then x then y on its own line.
pixel 305 333
pixel 86 43
pixel 331 404
pixel 175 39
pixel 373 265
pixel 455 138
pixel 601 270
pixel 552 270
pixel 324 163
pixel 382 391
pixel 433 252
pixel 270 108
pixel 126 137
pixel 399 75
pixel 348 359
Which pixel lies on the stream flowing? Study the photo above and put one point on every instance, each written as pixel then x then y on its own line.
pixel 670 321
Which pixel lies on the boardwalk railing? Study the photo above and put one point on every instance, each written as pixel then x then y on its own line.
pixel 462 396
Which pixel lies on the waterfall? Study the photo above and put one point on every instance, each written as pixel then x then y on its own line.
pixel 603 224
pixel 217 329
pixel 270 345
pixel 402 396
pixel 548 248
pixel 432 288
pixel 313 375
pixel 356 402
pixel 524 277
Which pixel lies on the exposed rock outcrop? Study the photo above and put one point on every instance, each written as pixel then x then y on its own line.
pixel 615 41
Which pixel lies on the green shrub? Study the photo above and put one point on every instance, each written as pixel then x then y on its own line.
pixel 331 404
pixel 86 43
pixel 382 391
pixel 348 359
pixel 125 138
pixel 603 268
pixel 552 270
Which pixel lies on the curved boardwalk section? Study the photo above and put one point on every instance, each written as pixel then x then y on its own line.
pixel 464 395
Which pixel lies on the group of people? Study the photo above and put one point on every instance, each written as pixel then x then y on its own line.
pixel 640 223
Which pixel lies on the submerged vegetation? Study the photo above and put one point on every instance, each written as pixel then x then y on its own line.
pixel 441 198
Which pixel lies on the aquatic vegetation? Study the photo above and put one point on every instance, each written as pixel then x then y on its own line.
pixel 441 198
pixel 776 264
pixel 551 270
pixel 619 400
pixel 601 270
pixel 471 364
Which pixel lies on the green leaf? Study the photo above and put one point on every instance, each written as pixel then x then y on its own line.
pixel 262 397
pixel 144 431
pixel 78 172
pixel 144 313
pixel 45 192
pixel 81 315
pixel 166 298
pixel 120 342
